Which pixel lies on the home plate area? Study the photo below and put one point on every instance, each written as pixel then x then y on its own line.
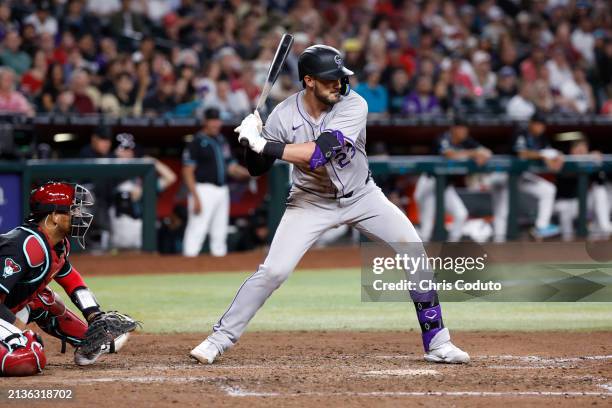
pixel 338 368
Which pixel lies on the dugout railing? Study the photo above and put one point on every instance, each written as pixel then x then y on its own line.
pixel 279 180
pixel 31 172
pixel 442 168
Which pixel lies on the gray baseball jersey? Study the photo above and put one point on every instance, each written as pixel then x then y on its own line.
pixel 319 201
pixel 347 171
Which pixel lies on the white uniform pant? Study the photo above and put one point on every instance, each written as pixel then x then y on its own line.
pixel 425 195
pixel 543 190
pixel 213 218
pixel 126 232
pixel 597 204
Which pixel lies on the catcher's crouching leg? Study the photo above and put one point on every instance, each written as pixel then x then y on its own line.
pixel 49 312
pixel 21 354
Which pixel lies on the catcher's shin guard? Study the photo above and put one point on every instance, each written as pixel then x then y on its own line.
pixel 21 354
pixel 51 315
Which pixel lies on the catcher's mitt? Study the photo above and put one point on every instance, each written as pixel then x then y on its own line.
pixel 105 328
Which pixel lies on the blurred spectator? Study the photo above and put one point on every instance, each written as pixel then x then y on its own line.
pixel 100 144
pixel 531 65
pixel 483 83
pixel 125 212
pixel 76 21
pixel 397 59
pixel 540 92
pixel 126 24
pixel 506 88
pixel 606 108
pixel 103 8
pixel 60 53
pixel 64 104
pixel 422 101
pixel 231 104
pixel 54 85
pixel 583 40
pixel 576 96
pixel 79 85
pixel 398 91
pixel 443 90
pixel 520 106
pixel 566 204
pixel 41 19
pixel 6 23
pixel 603 56
pixel 121 101
pixel 250 87
pixel 99 147
pixel 372 91
pixel 12 101
pixel 247 45
pixel 559 69
pixel 162 100
pixel 29 39
pixel 531 143
pixel 32 80
pixel 462 46
pixel 11 56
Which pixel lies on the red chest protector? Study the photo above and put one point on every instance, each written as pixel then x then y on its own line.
pixel 35 255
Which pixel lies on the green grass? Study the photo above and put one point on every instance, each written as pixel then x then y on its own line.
pixel 319 300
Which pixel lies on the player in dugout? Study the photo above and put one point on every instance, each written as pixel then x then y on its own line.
pixel 31 256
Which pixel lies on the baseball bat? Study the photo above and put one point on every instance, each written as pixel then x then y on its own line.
pixel 275 67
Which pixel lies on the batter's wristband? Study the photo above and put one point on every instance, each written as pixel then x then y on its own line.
pixel 274 149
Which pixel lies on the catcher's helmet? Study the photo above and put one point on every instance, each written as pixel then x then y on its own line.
pixel 323 62
pixel 67 198
pixel 50 197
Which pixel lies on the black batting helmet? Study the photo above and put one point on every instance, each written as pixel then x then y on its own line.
pixel 323 62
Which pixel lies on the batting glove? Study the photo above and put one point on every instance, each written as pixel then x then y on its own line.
pixel 250 130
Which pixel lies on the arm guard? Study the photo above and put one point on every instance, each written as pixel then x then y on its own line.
pixel 257 164
pixel 85 301
pixel 328 144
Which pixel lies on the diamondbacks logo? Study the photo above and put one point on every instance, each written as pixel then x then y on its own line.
pixel 338 60
pixel 10 267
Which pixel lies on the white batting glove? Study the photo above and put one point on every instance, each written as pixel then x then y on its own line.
pixel 250 130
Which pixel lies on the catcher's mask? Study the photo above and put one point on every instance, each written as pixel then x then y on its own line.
pixel 67 198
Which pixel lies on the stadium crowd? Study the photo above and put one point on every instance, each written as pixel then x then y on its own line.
pixel 183 58
pixel 179 57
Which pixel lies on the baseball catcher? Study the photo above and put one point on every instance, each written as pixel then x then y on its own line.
pixel 32 255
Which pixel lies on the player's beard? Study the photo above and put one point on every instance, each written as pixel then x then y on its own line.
pixel 329 100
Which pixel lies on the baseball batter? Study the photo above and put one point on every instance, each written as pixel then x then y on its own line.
pixel 322 131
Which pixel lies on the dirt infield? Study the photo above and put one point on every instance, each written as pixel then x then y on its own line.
pixel 336 368
pixel 322 368
pixel 133 263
